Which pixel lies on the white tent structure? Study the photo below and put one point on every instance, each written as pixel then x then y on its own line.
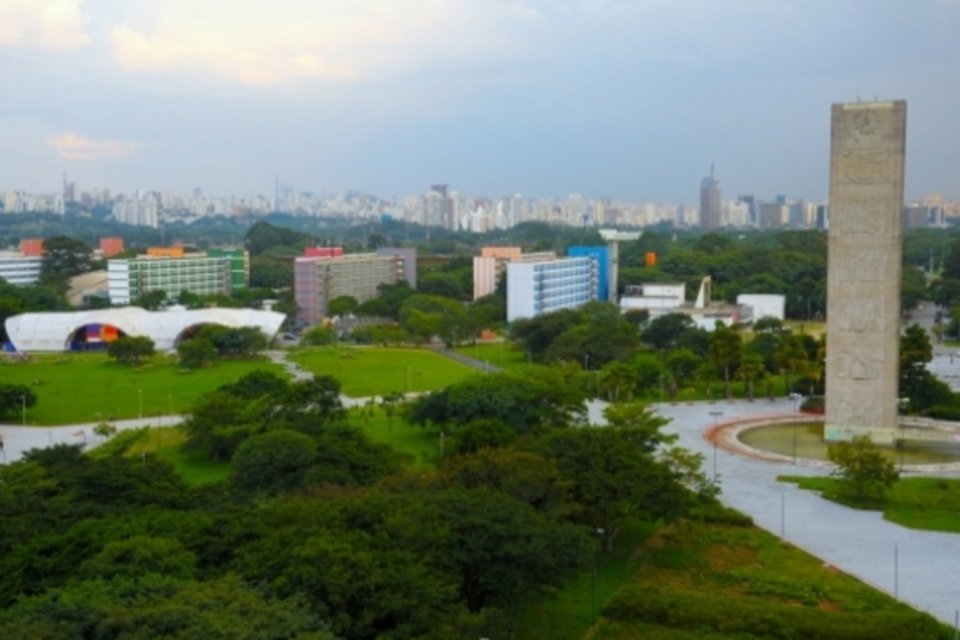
pixel 55 331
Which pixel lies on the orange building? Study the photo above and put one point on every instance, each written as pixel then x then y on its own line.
pixel 31 246
pixel 165 252
pixel 111 246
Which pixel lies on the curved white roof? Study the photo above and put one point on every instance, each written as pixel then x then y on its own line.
pixel 50 331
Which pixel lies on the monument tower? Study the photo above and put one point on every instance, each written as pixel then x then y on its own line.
pixel 867 143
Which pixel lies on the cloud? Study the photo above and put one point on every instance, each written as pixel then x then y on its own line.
pixel 259 43
pixel 76 147
pixel 48 24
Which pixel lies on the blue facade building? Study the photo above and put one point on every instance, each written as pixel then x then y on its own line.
pixel 602 256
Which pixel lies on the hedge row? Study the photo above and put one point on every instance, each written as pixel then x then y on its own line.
pixel 732 614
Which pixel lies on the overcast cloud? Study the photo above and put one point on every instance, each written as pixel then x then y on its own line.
pixel 630 99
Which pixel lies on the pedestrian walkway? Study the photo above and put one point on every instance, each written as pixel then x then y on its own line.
pixel 917 567
pixel 17 440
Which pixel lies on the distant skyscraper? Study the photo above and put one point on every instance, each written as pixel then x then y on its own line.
pixel 710 213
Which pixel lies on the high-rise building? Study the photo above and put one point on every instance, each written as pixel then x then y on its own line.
pixel 19 268
pixel 317 279
pixel 710 211
pixel 489 265
pixel 535 288
pixel 600 255
pixel 218 271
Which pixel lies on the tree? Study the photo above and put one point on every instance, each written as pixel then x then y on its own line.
pixel 273 461
pixel 14 397
pixel 196 353
pixel 505 551
pixel 342 305
pixel 792 359
pixel 63 258
pixel 483 433
pixel 131 349
pixel 726 348
pixel 528 400
pixel 151 300
pixel 863 471
pixel 613 479
pixel 104 430
pixel 751 368
pixel 682 365
pixel 229 341
pixel 663 333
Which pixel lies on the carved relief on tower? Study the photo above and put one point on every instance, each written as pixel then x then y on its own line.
pixel 848 365
pixel 859 315
pixel 865 166
pixel 863 214
pixel 861 264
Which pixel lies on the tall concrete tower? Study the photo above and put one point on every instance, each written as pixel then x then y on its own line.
pixel 867 143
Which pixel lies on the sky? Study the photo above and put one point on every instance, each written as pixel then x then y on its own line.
pixel 626 99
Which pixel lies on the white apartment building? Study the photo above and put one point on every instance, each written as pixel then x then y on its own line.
pixel 535 288
pixel 19 269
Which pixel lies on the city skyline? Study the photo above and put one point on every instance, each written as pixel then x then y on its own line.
pixel 626 100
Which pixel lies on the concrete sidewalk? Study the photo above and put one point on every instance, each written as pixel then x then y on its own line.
pixel 918 567
pixel 17 440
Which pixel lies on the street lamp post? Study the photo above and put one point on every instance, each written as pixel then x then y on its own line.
pixel 715 415
pixel 902 441
pixel 797 399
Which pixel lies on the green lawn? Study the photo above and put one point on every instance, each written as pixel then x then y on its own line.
pixel 421 444
pixel 919 503
pixel 716 580
pixel 575 607
pixel 503 355
pixel 91 388
pixel 368 371
pixel 165 443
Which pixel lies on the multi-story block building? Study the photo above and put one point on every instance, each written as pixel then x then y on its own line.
pixel 20 269
pixel 318 279
pixel 535 288
pixel 218 271
pixel 602 256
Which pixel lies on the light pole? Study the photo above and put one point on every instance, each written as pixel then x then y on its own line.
pixel 140 401
pixel 715 415
pixel 901 443
pixel 797 399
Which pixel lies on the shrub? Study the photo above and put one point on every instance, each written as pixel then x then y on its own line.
pixel 730 614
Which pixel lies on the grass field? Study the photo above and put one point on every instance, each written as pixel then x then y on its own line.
pixel 91 388
pixel 503 355
pixel 165 443
pixel 746 573
pixel 421 444
pixel 368 371
pixel 574 608
pixel 919 503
